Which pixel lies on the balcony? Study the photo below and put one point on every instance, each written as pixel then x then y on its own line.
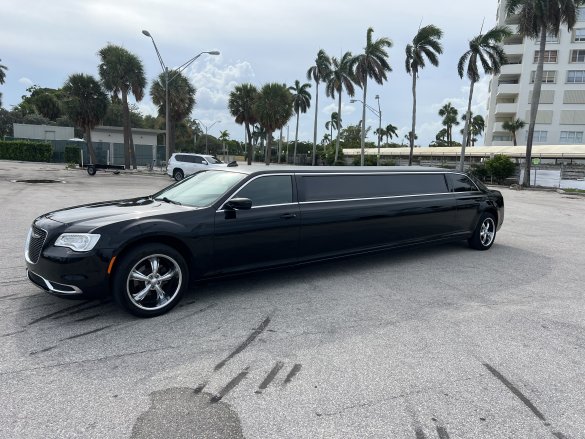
pixel 507 108
pixel 508 89
pixel 499 128
pixel 511 69
pixel 514 48
pixel 512 19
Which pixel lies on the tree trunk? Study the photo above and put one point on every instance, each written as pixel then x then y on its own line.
pixel 132 151
pixel 534 107
pixel 250 147
pixel 268 147
pixel 296 140
pixel 279 146
pixel 466 129
pixel 514 138
pixel 126 122
pixel 315 127
pixel 414 73
pixel 90 145
pixel 338 128
pixel 363 139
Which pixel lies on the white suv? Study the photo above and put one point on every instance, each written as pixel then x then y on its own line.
pixel 182 164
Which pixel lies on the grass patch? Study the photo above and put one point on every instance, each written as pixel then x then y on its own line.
pixel 574 191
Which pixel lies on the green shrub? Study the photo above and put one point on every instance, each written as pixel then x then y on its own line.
pixel 26 151
pixel 479 171
pixel 500 167
pixel 369 160
pixel 72 154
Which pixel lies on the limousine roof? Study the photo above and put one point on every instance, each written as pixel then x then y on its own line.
pixel 276 169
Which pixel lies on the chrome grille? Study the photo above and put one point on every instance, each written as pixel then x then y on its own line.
pixel 35 246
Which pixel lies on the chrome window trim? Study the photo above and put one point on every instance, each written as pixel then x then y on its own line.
pixel 375 198
pixel 288 174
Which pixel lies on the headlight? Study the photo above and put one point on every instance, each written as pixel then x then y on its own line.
pixel 80 242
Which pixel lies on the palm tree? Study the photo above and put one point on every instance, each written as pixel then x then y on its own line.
pixel 537 19
pixel 341 78
pixel 449 114
pixel 224 136
pixel 476 128
pixel 391 132
pixel 425 44
pixel 334 123
pixel 380 132
pixel 373 63
pixel 3 69
pixel 513 126
pixel 486 49
pixel 240 105
pixel 86 104
pixel 273 108
pixel 301 103
pixel 181 101
pixel 319 72
pixel 121 73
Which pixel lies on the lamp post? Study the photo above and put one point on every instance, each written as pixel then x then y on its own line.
pixel 378 113
pixel 168 79
pixel 206 129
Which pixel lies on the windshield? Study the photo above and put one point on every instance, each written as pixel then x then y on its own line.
pixel 201 189
pixel 213 160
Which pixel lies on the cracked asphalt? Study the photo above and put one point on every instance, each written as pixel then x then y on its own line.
pixel 439 342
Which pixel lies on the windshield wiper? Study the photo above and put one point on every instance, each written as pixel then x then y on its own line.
pixel 166 200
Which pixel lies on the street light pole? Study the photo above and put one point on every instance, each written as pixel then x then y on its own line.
pixel 206 129
pixel 168 79
pixel 378 113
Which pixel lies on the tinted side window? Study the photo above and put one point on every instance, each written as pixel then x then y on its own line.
pixel 461 183
pixel 197 159
pixel 339 187
pixel 273 189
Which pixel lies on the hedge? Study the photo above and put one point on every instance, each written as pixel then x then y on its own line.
pixel 26 151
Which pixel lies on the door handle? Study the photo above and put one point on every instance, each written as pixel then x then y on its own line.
pixel 288 215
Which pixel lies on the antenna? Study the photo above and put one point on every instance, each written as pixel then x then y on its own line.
pixel 482 23
pixel 421 20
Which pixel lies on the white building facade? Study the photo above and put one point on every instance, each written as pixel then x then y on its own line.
pixel 561 112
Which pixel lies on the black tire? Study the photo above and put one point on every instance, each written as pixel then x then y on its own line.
pixel 484 234
pixel 91 170
pixel 138 282
pixel 178 174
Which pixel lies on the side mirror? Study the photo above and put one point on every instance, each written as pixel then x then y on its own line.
pixel 239 204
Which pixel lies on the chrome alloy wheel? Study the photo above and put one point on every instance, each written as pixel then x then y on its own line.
pixel 487 231
pixel 154 281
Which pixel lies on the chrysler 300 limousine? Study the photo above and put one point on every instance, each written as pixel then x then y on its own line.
pixel 147 251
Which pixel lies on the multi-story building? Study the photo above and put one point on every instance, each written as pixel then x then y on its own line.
pixel 561 112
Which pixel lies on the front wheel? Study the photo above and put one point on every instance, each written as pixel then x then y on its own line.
pixel 484 234
pixel 150 280
pixel 178 175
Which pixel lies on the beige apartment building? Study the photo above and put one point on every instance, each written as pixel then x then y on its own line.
pixel 561 113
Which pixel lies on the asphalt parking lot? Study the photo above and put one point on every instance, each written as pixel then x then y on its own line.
pixel 440 342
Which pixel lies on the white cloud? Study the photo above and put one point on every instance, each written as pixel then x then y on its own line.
pixel 26 81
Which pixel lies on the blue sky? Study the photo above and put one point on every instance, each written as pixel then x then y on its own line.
pixel 260 41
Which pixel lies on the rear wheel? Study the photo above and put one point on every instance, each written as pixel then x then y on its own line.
pixel 150 280
pixel 484 234
pixel 91 170
pixel 178 175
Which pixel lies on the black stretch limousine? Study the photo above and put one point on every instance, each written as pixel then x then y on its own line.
pixel 146 250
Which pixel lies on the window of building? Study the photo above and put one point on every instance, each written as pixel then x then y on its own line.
pixel 551 38
pixel 581 14
pixel 548 77
pixel 571 137
pixel 502 138
pixel 579 35
pixel 576 76
pixel 550 56
pixel 539 136
pixel 578 56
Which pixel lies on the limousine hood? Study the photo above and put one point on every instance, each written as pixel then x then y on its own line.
pixel 98 214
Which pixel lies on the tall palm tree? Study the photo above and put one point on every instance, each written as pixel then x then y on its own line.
pixel 372 63
pixel 449 114
pixel 537 19
pixel 380 133
pixel 513 126
pixel 3 69
pixel 240 105
pixel 301 103
pixel 224 136
pixel 486 49
pixel 318 72
pixel 181 101
pixel 86 104
pixel 341 78
pixel 122 73
pixel 273 108
pixel 425 44
pixel 334 123
pixel 391 132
